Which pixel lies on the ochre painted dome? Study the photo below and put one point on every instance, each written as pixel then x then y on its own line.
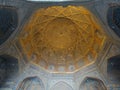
pixel 62 39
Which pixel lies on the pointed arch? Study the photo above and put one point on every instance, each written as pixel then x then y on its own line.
pixel 8 22
pixel 61 86
pixel 114 19
pixel 90 83
pixel 8 67
pixel 31 83
pixel 113 68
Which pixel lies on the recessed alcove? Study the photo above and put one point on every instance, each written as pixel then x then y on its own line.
pixel 61 86
pixel 8 22
pixel 113 18
pixel 113 68
pixel 31 83
pixel 90 83
pixel 8 66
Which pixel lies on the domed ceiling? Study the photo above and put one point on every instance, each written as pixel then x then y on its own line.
pixel 62 39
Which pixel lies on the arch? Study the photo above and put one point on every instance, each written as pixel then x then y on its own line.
pixel 8 67
pixel 113 18
pixel 113 68
pixel 8 22
pixel 90 83
pixel 61 86
pixel 31 83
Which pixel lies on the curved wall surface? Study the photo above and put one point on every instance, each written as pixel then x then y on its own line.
pixel 61 86
pixel 8 22
pixel 72 45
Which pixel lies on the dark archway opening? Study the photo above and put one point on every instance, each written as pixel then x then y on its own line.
pixel 113 68
pixel 8 22
pixel 113 17
pixel 90 83
pixel 8 68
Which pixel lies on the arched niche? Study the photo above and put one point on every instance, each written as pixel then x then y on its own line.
pixel 8 22
pixel 113 18
pixel 90 83
pixel 8 67
pixel 113 68
pixel 31 83
pixel 61 86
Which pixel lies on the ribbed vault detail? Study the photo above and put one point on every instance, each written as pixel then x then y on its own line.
pixel 62 39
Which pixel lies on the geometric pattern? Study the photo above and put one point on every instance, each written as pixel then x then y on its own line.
pixel 62 39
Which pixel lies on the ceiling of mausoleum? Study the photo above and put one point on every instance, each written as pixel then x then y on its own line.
pixel 62 39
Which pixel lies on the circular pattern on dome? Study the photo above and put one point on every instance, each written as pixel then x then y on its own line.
pixel 61 36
